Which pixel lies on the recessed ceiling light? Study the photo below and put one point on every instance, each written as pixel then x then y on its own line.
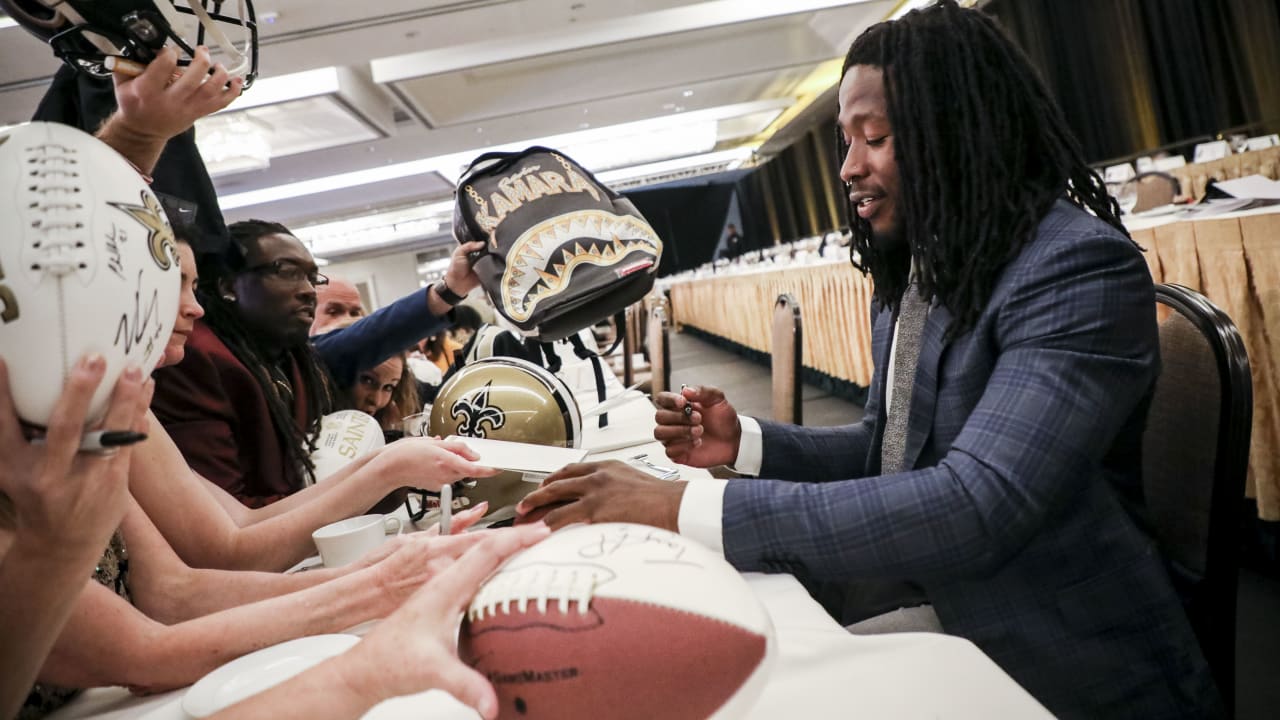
pixel 687 93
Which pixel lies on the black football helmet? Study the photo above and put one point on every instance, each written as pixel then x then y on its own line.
pixel 84 33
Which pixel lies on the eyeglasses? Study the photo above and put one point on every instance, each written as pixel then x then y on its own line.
pixel 289 272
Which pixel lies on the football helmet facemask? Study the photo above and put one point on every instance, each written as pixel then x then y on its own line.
pixel 84 33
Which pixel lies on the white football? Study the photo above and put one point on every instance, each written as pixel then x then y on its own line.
pixel 620 621
pixel 344 436
pixel 87 265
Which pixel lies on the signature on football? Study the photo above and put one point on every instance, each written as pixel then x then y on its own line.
pixel 114 261
pixel 658 546
pixel 143 325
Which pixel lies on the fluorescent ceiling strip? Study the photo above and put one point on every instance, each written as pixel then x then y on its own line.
pixel 283 88
pixel 736 155
pixel 592 34
pixel 327 184
pixel 450 165
pixel 339 228
pixel 368 231
pixel 352 235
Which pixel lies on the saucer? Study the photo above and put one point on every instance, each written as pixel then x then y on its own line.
pixel 257 671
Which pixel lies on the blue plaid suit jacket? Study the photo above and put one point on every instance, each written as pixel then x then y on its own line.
pixel 1018 517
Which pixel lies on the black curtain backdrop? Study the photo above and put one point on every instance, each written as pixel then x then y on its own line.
pixel 689 218
pixel 797 194
pixel 1135 75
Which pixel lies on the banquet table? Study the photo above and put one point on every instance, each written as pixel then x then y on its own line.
pixel 820 670
pixel 1234 259
pixel 1195 177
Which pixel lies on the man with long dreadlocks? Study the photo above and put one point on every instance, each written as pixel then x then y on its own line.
pixel 998 463
pixel 245 404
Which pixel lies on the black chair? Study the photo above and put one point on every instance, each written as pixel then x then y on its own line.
pixel 787 360
pixel 1195 456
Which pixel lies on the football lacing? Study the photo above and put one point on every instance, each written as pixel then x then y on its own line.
pixel 567 585
pixel 58 246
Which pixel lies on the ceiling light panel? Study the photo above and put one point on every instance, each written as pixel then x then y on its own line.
pixel 343 237
pixel 609 147
pixel 573 79
pixel 279 130
pixel 597 33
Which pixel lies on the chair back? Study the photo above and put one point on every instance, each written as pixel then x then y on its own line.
pixel 659 351
pixel 1195 454
pixel 1155 189
pixel 632 340
pixel 787 360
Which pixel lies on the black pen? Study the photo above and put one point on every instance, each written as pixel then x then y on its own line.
pixel 104 440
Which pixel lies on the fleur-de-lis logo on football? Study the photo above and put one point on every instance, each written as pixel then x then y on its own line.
pixel 473 411
pixel 150 215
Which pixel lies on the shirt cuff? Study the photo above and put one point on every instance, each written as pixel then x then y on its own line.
pixel 750 447
pixel 701 509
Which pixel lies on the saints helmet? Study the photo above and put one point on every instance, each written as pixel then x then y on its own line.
pixel 84 33
pixel 505 398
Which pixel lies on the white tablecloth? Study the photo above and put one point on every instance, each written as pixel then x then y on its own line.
pixel 822 672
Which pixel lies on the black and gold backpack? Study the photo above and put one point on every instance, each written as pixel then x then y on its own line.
pixel 562 251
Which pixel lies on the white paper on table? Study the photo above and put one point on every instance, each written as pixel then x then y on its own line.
pixel 630 423
pixel 523 457
pixel 1254 187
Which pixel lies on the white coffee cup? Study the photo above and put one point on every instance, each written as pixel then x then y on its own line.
pixel 344 542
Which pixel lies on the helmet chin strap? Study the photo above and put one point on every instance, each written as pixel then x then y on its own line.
pixel 239 56
pixel 106 46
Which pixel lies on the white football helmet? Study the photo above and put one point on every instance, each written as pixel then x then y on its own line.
pixel 84 33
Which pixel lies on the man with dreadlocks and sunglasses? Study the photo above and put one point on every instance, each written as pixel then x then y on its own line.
pixel 998 463
pixel 245 405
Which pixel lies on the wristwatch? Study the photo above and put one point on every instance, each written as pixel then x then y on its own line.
pixel 448 296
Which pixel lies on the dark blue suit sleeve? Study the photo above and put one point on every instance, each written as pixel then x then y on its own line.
pixel 1068 352
pixel 365 344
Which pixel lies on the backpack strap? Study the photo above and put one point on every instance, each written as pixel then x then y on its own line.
pixel 580 349
pixel 551 360
pixel 620 331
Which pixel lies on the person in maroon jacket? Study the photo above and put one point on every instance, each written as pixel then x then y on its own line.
pixel 245 405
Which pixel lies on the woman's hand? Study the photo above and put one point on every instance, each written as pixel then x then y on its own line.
pixel 414 649
pixel 461 522
pixel 429 463
pixel 416 559
pixel 64 499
